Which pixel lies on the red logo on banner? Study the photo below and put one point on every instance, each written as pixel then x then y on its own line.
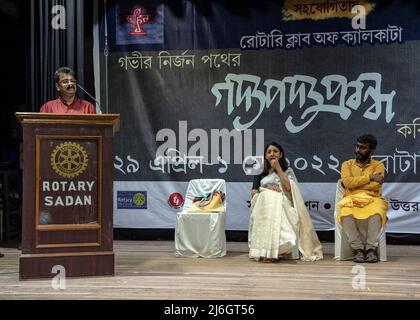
pixel 138 19
pixel 176 200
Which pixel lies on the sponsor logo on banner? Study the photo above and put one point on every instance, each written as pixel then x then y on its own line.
pixel 132 199
pixel 176 200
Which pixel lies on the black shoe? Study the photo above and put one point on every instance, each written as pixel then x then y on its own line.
pixel 359 256
pixel 371 256
pixel 1 255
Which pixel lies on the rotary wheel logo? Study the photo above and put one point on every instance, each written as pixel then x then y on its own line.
pixel 69 159
pixel 139 199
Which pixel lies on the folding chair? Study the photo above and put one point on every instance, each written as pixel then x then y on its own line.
pixel 342 248
pixel 201 234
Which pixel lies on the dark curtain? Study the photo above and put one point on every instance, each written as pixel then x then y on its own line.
pixel 53 48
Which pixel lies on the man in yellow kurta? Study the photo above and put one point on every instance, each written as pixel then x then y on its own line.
pixel 363 178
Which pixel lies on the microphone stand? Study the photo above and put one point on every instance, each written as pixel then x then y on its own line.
pixel 99 105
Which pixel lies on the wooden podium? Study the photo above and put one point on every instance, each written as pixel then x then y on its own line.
pixel 67 220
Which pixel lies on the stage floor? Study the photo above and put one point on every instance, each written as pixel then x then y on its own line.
pixel 149 270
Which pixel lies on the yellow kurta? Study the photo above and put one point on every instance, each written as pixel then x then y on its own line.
pixel 356 180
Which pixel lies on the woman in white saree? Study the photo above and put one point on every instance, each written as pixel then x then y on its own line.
pixel 279 220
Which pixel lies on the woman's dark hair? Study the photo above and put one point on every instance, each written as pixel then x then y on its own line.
pixel 282 160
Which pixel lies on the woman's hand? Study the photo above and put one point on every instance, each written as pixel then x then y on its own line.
pixel 274 187
pixel 253 192
pixel 274 163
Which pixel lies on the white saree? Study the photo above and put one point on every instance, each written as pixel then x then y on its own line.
pixel 279 221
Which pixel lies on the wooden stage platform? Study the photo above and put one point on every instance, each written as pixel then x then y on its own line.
pixel 149 270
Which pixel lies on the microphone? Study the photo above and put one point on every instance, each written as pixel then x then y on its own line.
pixel 99 105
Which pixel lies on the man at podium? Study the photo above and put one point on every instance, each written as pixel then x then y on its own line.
pixel 68 102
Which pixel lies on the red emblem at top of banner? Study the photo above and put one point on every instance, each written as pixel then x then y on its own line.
pixel 138 18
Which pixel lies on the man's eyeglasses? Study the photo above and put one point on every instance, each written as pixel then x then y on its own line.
pixel 67 81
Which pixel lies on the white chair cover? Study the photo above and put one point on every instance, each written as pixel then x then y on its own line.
pixel 342 248
pixel 201 234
